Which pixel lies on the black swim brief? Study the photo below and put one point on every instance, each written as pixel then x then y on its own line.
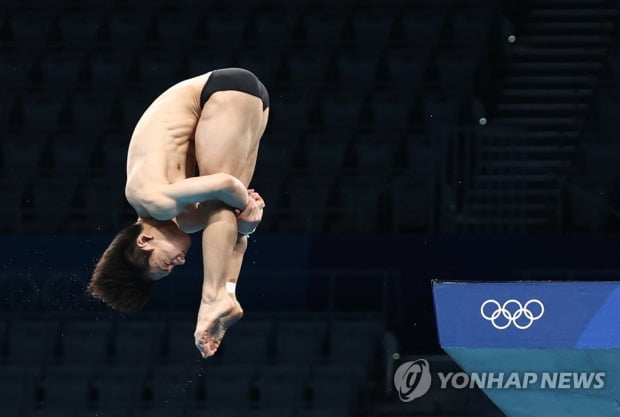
pixel 236 79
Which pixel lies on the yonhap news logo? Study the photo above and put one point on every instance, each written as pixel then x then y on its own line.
pixel 414 379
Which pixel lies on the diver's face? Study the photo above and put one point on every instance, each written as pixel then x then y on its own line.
pixel 168 245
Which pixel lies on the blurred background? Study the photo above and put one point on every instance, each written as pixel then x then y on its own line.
pixel 409 141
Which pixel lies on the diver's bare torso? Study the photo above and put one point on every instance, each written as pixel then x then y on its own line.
pixel 161 150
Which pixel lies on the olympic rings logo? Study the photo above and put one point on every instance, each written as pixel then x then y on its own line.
pixel 512 312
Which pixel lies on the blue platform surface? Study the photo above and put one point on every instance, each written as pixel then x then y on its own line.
pixel 576 314
pixel 569 337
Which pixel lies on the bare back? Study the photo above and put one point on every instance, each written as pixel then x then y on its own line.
pixel 161 150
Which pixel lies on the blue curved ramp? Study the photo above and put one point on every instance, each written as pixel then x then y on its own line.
pixel 536 348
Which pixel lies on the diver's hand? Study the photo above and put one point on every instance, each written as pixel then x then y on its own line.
pixel 249 219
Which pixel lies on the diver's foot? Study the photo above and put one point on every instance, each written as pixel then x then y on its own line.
pixel 214 318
